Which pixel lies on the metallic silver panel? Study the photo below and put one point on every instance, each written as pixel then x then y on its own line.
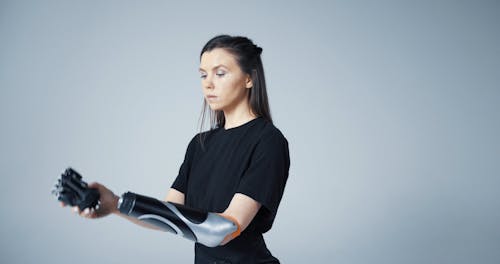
pixel 212 231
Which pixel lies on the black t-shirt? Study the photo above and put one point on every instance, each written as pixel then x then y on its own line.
pixel 251 159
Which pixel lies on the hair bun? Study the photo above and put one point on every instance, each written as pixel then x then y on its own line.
pixel 258 50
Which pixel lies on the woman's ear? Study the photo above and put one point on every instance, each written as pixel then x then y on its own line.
pixel 248 82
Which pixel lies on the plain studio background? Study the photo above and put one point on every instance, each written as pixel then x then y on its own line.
pixel 391 109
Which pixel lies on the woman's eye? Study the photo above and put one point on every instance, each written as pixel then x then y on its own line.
pixel 203 76
pixel 220 74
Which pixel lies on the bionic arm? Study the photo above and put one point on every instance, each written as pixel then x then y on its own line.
pixel 207 228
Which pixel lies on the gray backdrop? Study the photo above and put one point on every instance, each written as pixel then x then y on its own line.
pixel 391 109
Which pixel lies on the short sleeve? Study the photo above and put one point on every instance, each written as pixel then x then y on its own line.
pixel 266 176
pixel 180 183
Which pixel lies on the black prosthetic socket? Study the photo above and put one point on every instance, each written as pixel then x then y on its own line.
pixel 72 190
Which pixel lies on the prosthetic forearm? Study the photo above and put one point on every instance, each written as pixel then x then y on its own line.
pixel 209 229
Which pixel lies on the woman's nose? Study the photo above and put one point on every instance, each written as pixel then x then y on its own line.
pixel 208 83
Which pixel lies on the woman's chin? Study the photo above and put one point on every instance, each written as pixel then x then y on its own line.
pixel 215 107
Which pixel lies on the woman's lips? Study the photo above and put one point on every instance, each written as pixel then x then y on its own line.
pixel 211 97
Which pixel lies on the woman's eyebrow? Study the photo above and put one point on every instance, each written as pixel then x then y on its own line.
pixel 215 67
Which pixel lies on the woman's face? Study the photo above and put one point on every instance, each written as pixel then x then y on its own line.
pixel 224 84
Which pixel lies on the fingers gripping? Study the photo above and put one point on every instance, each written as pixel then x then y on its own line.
pixel 72 190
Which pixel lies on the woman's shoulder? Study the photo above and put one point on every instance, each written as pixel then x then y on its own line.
pixel 269 132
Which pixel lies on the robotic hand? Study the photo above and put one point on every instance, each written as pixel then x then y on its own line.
pixel 72 190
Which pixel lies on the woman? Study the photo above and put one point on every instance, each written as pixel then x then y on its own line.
pixel 240 166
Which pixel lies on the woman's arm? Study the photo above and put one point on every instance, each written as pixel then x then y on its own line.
pixel 174 196
pixel 243 209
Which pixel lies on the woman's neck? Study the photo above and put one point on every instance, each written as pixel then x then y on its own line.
pixel 238 116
